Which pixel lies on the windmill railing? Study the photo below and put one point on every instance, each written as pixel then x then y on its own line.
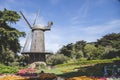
pixel 46 52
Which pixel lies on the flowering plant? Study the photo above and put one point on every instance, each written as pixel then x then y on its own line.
pixel 26 70
pixel 85 78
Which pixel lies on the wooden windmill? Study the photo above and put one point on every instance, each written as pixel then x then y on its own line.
pixel 37 45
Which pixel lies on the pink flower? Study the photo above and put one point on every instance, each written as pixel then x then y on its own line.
pixel 26 70
pixel 103 78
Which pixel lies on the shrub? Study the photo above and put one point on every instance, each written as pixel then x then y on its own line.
pixel 56 59
pixel 13 64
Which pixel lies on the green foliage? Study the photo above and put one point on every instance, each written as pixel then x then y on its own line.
pixel 7 57
pixel 112 39
pixel 8 34
pixel 79 45
pixel 73 50
pixel 79 54
pixel 7 69
pixel 105 48
pixel 56 59
pixel 23 60
pixel 90 50
pixel 9 16
pixel 93 52
pixel 112 54
pixel 67 50
pixel 14 64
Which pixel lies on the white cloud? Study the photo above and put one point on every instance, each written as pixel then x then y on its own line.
pixel 81 13
pixel 103 28
pixel 56 38
pixel 84 9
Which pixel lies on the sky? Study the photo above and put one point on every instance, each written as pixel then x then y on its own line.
pixel 73 20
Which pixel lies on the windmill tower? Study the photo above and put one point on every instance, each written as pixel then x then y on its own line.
pixel 37 47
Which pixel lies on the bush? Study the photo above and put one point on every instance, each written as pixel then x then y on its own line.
pixel 13 64
pixel 56 59
pixel 112 54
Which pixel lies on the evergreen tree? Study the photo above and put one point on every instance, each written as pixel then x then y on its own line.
pixel 9 36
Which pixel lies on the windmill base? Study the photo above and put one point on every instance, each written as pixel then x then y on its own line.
pixel 35 56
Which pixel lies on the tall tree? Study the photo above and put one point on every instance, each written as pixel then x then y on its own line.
pixel 112 40
pixel 79 48
pixel 90 50
pixel 9 36
pixel 66 50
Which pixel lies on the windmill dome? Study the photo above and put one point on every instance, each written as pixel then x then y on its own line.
pixel 38 26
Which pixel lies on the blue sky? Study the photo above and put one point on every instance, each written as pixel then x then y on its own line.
pixel 74 20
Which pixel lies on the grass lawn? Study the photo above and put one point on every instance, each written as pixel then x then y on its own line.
pixel 91 68
pixel 61 70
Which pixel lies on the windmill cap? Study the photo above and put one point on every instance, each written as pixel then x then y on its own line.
pixel 38 26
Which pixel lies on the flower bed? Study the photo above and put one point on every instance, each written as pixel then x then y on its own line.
pixel 92 78
pixel 84 78
pixel 41 76
pixel 12 77
pixel 50 76
pixel 26 70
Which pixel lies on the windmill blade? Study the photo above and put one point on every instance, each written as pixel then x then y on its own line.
pixel 27 42
pixel 25 20
pixel 36 16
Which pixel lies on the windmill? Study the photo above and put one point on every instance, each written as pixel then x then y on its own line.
pixel 37 44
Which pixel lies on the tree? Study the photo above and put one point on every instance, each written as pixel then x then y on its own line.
pixel 89 50
pixel 79 45
pixel 7 57
pixel 112 39
pixel 79 48
pixel 79 54
pixel 9 36
pixel 111 43
pixel 66 50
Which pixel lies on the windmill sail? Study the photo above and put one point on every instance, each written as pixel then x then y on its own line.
pixel 25 20
pixel 26 47
pixel 36 17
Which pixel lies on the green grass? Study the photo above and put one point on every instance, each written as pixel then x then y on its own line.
pixel 88 62
pixel 84 68
pixel 7 69
pixel 61 70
